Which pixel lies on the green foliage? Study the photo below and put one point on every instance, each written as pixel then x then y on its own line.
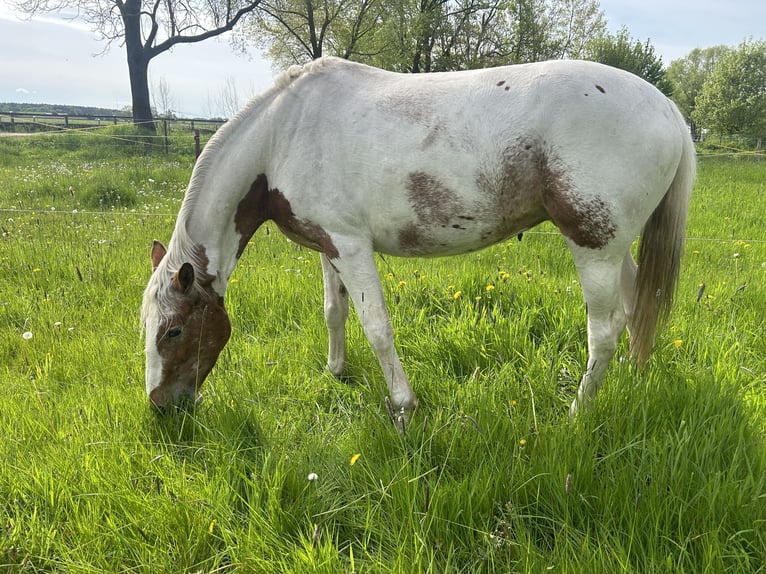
pixel 667 472
pixel 733 98
pixel 687 75
pixel 425 36
pixel 622 51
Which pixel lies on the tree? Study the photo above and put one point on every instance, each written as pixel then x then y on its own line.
pixel 687 75
pixel 148 28
pixel 426 35
pixel 622 51
pixel 163 99
pixel 733 98
pixel 297 31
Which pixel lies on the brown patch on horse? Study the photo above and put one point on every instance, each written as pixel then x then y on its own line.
pixel 411 240
pixel 189 341
pixel 513 187
pixel 261 203
pixel 157 253
pixel 586 221
pixel 432 201
pixel 435 206
pixel 600 89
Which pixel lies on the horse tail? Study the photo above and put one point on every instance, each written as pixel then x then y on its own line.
pixel 659 255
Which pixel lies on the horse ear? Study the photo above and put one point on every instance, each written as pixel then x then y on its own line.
pixel 158 252
pixel 184 278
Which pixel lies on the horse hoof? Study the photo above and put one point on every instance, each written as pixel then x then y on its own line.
pixel 337 368
pixel 400 417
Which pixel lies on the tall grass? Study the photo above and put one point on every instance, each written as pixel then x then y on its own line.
pixel 666 473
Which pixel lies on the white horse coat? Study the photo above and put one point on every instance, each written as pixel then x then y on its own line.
pixel 350 160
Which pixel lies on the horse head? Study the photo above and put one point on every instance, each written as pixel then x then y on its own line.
pixel 186 328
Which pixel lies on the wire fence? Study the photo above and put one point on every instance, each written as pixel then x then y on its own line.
pixel 27 122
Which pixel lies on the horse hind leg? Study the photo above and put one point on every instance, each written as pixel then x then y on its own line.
pixel 628 285
pixel 335 314
pixel 602 283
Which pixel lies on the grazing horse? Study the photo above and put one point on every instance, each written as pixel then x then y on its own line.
pixel 350 160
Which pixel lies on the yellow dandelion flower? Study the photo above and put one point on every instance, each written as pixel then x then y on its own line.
pixel 523 442
pixel 677 343
pixel 456 295
pixel 504 275
pixel 401 284
pixel 354 458
pixel 490 287
pixel 36 270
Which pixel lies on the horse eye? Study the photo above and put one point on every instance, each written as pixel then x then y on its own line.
pixel 173 332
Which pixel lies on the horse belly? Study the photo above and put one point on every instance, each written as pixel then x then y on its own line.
pixel 448 225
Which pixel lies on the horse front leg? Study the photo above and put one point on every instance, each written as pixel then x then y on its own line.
pixel 358 273
pixel 607 318
pixel 335 315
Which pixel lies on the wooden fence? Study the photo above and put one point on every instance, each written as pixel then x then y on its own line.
pixel 24 122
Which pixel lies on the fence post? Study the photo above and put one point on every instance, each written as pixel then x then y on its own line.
pixel 165 130
pixel 196 144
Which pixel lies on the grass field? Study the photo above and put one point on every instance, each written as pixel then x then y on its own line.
pixel 667 473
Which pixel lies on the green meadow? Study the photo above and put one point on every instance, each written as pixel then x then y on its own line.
pixel 666 473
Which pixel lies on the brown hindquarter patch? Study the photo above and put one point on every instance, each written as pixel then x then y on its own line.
pixel 586 221
pixel 261 204
pixel 513 187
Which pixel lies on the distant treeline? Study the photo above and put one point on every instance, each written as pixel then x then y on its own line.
pixel 60 109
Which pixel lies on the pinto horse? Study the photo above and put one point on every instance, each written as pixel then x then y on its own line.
pixel 350 160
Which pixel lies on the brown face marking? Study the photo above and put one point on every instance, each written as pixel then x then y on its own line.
pixel 192 333
pixel 189 342
pixel 586 221
pixel 261 204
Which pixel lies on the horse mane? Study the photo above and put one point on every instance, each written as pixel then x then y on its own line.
pixel 181 248
pixel 282 82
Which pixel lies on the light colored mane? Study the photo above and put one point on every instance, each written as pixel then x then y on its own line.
pixel 181 248
pixel 244 116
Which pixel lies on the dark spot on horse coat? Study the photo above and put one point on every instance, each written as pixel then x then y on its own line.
pixel 433 202
pixel 411 240
pixel 513 187
pixel 585 220
pixel 261 203
pixel 600 89
pixel 500 83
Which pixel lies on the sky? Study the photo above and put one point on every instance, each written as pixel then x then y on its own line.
pixel 55 61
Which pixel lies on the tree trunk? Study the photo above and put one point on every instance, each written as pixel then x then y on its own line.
pixel 138 66
pixel 139 89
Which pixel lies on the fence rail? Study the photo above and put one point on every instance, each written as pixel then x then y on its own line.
pixel 21 122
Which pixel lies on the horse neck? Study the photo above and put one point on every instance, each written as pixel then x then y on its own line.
pixel 223 175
